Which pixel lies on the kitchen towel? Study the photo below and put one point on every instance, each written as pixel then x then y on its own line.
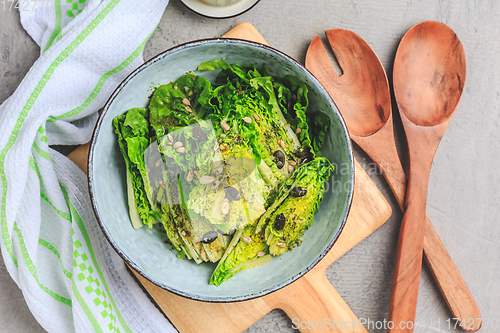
pixel 71 278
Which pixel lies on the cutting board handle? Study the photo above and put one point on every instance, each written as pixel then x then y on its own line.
pixel 314 305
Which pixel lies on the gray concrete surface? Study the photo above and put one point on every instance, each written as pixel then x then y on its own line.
pixel 463 199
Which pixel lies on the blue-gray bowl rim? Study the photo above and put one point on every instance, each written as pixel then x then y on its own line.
pixel 136 267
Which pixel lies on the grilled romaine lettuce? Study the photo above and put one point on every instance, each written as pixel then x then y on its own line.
pixel 285 222
pixel 246 250
pixel 132 129
pixel 288 222
pixel 209 160
pixel 245 103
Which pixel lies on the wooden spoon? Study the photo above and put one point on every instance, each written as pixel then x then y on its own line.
pixel 363 97
pixel 429 77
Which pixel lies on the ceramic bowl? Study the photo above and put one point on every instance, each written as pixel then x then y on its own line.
pixel 145 250
pixel 221 9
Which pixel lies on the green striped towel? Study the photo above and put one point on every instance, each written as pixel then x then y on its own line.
pixel 71 278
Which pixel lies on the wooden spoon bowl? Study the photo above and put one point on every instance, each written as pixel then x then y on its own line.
pixel 430 75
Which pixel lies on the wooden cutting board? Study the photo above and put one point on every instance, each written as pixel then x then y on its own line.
pixel 310 298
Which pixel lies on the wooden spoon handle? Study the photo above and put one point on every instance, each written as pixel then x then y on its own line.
pixel 406 276
pixel 451 284
pixel 314 305
pixel 447 276
pixel 381 148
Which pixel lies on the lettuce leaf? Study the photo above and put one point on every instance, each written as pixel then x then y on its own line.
pixel 312 125
pixel 236 170
pixel 318 129
pixel 179 103
pixel 133 132
pixel 287 222
pixel 238 254
pixel 243 92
